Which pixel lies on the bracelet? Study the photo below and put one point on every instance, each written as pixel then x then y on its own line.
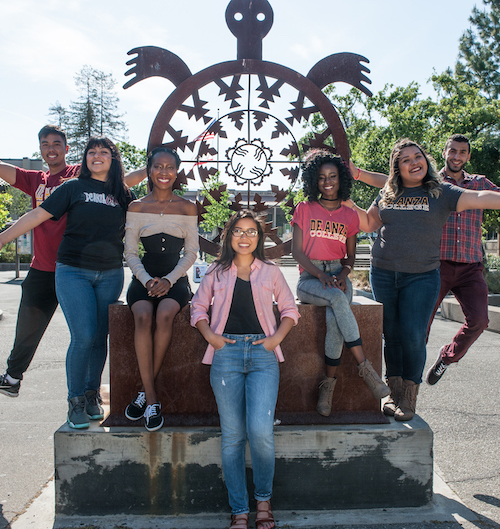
pixel 358 176
pixel 348 266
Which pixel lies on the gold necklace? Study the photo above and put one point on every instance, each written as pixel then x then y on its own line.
pixel 330 200
pixel 161 212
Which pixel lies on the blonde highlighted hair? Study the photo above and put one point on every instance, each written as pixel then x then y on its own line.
pixel 394 185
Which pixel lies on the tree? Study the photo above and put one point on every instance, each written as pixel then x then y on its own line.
pixel 94 113
pixel 19 203
pixel 133 158
pixel 5 200
pixel 479 50
pixel 218 211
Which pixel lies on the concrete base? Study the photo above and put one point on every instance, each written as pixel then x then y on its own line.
pixel 177 470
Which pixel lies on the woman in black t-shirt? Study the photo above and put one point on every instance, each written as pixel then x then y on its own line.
pixel 89 272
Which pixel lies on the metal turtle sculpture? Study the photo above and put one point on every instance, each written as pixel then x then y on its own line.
pixel 249 129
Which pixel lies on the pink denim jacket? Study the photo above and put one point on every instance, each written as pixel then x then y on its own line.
pixel 216 289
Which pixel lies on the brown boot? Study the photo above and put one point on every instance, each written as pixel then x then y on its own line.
pixel 396 387
pixel 408 402
pixel 326 387
pixel 372 380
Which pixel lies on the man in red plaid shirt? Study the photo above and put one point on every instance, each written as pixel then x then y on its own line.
pixel 462 259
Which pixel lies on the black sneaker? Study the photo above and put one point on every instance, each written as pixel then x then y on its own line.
pixel 154 418
pixel 437 370
pixel 11 390
pixel 135 410
pixel 93 406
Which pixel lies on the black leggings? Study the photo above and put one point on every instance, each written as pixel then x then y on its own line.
pixel 38 304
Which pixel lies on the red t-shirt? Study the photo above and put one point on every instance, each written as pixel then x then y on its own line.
pixel 48 235
pixel 324 232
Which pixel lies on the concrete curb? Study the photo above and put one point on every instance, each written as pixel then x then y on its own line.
pixel 450 309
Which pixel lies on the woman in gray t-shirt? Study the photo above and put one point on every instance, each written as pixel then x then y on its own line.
pixel 409 213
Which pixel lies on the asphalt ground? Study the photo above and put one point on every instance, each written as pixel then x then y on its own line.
pixel 462 410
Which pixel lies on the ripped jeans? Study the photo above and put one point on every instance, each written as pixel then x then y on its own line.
pixel 341 325
pixel 245 379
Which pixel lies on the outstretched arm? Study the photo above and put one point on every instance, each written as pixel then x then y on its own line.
pixel 8 173
pixel 135 177
pixel 478 200
pixel 368 220
pixel 26 223
pixel 368 177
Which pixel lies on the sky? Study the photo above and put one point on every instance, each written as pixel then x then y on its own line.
pixel 44 44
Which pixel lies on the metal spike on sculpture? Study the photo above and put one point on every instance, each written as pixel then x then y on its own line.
pixel 241 118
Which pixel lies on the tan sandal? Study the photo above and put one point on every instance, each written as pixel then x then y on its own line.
pixel 264 514
pixel 239 521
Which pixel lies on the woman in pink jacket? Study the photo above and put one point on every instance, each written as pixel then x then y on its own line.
pixel 244 352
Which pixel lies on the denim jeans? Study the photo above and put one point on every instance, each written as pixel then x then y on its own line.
pixel 84 296
pixel 408 301
pixel 341 324
pixel 38 304
pixel 245 380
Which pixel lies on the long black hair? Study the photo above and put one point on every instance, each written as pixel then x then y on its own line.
pixel 114 184
pixel 227 254
pixel 310 170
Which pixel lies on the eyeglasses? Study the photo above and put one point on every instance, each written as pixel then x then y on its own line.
pixel 238 232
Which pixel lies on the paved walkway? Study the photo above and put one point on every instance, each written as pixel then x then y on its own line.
pixel 462 410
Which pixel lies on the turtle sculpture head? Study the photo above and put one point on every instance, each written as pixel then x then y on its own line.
pixel 249 21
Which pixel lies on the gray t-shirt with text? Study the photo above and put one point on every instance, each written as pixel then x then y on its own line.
pixel 409 238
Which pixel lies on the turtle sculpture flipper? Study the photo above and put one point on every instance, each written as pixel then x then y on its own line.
pixel 152 61
pixel 345 67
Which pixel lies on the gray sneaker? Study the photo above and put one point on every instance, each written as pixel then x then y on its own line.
pixel 93 406
pixel 437 370
pixel 77 416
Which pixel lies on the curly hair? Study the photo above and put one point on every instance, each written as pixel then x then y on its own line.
pixel 114 184
pixel 394 185
pixel 310 170
pixel 227 254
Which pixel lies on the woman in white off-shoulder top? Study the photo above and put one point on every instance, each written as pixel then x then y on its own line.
pixel 165 224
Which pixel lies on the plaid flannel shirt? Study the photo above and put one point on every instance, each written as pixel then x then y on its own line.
pixel 461 239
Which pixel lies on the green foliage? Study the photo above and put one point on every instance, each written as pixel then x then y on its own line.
pixel 132 157
pixel 218 212
pixel 479 50
pixel 492 262
pixel 5 202
pixel 298 196
pixel 94 113
pixel 493 281
pixel 20 203
pixel 8 254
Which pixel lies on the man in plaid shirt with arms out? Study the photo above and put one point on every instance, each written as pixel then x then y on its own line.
pixel 462 259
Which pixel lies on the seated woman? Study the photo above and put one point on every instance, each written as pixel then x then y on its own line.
pixel 324 245
pixel 165 224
